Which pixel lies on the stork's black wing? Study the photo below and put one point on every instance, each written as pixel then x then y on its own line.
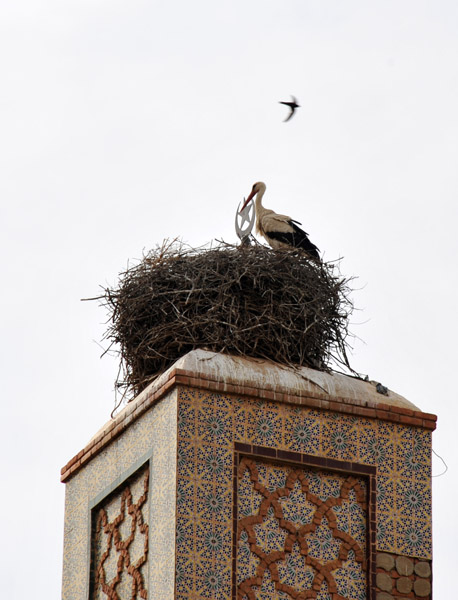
pixel 296 238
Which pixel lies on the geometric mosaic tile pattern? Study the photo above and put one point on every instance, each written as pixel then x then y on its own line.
pixel 120 541
pixel 305 519
pixel 210 423
pixel 151 439
pixel 163 503
pixel 301 533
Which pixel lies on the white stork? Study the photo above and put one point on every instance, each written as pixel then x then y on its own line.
pixel 280 231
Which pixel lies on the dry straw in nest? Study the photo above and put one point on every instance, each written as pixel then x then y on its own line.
pixel 246 300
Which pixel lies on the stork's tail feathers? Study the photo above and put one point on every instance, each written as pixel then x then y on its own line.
pixel 297 238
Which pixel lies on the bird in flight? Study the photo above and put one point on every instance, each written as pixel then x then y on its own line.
pixel 280 231
pixel 293 105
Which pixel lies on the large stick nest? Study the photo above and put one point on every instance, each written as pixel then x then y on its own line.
pixel 245 300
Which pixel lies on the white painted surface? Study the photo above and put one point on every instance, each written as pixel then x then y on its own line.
pixel 262 373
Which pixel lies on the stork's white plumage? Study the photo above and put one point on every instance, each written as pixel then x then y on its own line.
pixel 280 231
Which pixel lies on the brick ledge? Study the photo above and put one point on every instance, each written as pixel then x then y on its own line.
pixel 177 376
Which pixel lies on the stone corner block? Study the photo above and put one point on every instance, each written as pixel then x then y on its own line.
pixel 404 565
pixel 404 585
pixel 384 582
pixel 422 588
pixel 423 569
pixel 384 596
pixel 385 561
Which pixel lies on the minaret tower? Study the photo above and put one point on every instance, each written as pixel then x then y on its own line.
pixel 229 478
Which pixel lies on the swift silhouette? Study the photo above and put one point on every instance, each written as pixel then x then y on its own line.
pixel 293 105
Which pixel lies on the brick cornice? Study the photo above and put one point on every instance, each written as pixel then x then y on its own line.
pixel 364 408
pixel 203 381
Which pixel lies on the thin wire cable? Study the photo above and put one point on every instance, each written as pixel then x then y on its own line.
pixel 445 464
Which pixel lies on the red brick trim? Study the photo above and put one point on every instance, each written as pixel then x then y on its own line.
pixel 363 408
pixel 117 426
pixel 298 459
pixel 176 376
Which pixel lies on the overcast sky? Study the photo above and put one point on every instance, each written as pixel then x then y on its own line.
pixel 124 123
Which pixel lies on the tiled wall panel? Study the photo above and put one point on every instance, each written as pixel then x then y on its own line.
pixel 189 438
pixel 208 426
pixel 152 437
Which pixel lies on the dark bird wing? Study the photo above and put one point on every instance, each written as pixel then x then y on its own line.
pixel 297 238
pixel 289 116
pixel 293 105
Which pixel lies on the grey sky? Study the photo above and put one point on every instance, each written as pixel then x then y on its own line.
pixel 124 123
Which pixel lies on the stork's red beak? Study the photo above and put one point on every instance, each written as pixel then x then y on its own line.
pixel 247 201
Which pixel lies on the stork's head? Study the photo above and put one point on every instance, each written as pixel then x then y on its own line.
pixel 257 187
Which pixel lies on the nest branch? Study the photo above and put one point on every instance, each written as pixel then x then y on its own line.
pixel 245 300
